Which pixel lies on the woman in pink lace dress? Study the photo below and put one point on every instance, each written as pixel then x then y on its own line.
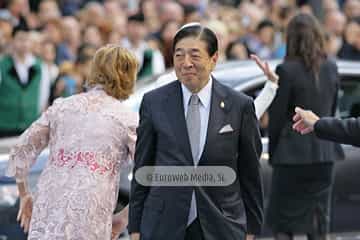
pixel 90 135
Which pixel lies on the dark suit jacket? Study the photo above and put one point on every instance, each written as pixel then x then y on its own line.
pixel 345 131
pixel 298 87
pixel 224 212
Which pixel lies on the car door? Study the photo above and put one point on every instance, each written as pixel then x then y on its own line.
pixel 346 193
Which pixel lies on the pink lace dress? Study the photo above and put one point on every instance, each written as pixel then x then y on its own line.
pixel 90 136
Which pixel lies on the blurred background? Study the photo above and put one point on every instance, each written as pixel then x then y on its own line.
pixel 49 44
pixel 64 34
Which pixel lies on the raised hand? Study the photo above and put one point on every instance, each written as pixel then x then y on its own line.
pixel 264 66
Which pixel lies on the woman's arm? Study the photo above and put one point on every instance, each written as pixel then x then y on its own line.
pixel 265 98
pixel 267 95
pixel 26 151
pixel 22 157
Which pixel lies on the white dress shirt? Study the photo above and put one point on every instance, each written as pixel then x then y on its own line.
pixel 22 68
pixel 205 99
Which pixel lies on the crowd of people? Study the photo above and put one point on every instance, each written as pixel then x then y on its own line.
pixel 47 45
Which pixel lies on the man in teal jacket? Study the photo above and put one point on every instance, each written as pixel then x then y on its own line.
pixel 20 76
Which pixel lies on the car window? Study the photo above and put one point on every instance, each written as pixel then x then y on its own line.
pixel 349 97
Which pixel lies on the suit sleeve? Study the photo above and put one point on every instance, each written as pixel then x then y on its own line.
pixel 250 149
pixel 144 156
pixel 343 131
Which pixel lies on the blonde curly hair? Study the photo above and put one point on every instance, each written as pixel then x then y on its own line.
pixel 115 69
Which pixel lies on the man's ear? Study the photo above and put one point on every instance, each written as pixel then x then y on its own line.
pixel 214 59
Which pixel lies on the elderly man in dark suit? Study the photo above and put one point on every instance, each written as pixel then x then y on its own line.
pixel 345 131
pixel 196 121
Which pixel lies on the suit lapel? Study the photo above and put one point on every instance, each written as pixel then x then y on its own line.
pixel 220 106
pixel 174 110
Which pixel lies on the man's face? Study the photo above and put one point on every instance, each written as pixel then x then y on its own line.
pixel 192 63
pixel 266 35
pixel 6 29
pixel 136 31
pixel 48 10
pixel 17 6
pixel 21 43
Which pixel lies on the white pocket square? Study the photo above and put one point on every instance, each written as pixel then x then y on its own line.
pixel 226 128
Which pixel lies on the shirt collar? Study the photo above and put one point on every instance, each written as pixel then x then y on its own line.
pixel 204 94
pixel 29 60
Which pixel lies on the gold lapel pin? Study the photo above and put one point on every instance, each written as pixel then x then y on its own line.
pixel 222 104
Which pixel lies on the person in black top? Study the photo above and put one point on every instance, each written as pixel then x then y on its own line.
pixel 302 166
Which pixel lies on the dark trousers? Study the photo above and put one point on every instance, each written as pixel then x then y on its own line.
pixel 193 231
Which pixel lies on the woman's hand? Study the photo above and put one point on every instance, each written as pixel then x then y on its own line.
pixel 264 66
pixel 25 211
pixel 119 223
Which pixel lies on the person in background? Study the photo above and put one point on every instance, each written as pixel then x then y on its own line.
pixel 334 24
pixel 67 82
pixel 19 10
pixel 261 43
pixel 167 33
pixel 302 177
pixel 171 10
pixel 90 136
pixel 191 13
pixel 351 8
pixel 48 11
pixel 86 53
pixel 36 39
pixel 237 50
pixel 20 78
pixel 71 40
pixel 50 69
pixel 7 23
pixel 346 131
pixel 350 49
pixel 222 33
pixel 151 60
pixel 92 36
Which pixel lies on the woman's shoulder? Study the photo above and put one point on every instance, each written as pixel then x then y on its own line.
pixel 122 112
pixel 75 103
pixel 298 64
pixel 288 69
pixel 291 64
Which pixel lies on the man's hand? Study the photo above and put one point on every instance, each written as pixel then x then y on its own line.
pixel 264 66
pixel 250 237
pixel 135 236
pixel 25 211
pixel 304 120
